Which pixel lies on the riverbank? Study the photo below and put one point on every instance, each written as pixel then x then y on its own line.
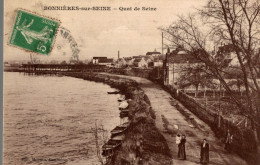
pixel 142 130
pixel 157 126
pixel 170 113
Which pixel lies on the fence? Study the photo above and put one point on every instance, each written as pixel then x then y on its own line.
pixel 243 139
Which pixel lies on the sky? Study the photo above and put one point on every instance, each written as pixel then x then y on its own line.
pixel 101 33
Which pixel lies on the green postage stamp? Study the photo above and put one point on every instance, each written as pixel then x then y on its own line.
pixel 33 33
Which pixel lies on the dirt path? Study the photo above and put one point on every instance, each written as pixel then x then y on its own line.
pixel 162 103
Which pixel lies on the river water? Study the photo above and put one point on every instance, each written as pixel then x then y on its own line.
pixel 49 120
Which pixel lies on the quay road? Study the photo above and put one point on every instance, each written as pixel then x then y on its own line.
pixel 163 104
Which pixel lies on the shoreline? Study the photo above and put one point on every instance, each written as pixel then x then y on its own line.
pixel 142 129
pixel 159 146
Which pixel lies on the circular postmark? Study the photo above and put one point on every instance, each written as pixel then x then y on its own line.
pixel 66 34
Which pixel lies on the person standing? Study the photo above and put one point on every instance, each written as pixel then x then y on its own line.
pixel 139 147
pixel 182 148
pixel 228 141
pixel 178 142
pixel 204 152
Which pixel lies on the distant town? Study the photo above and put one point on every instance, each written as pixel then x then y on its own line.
pixel 172 67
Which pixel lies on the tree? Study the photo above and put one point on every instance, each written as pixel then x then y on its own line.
pixel 235 22
pixel 195 75
pixel 63 62
pixel 54 62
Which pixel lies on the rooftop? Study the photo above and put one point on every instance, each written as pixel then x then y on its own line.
pixel 151 53
pixel 99 57
pixel 180 56
pixel 105 60
pixel 154 52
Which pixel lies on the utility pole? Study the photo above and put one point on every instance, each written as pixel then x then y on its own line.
pixel 118 56
pixel 162 57
pixel 162 43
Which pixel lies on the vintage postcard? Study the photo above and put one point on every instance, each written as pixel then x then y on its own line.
pixel 131 82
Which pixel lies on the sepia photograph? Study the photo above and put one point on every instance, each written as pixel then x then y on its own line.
pixel 131 82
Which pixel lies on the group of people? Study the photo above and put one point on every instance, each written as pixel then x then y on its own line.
pixel 204 152
pixel 228 141
pixel 180 141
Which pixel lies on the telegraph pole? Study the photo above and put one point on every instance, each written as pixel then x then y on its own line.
pixel 162 57
pixel 118 56
pixel 162 43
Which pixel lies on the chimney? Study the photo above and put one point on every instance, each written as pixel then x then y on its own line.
pixel 118 56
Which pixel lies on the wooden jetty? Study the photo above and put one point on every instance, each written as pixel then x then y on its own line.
pixel 55 68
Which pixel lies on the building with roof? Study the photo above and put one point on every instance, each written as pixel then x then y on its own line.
pixel 103 61
pixel 154 53
pixel 158 61
pixel 175 62
pixel 140 62
pixel 121 62
pixel 130 61
pixel 148 61
pixel 125 61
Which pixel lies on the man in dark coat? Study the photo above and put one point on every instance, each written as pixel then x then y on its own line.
pixel 182 148
pixel 204 152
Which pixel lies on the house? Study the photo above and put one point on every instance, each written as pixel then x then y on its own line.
pixel 140 62
pixel 121 62
pixel 158 61
pixel 148 59
pixel 109 62
pixel 136 61
pixel 126 61
pixel 154 53
pixel 102 61
pixel 175 62
pixel 130 61
pixel 97 60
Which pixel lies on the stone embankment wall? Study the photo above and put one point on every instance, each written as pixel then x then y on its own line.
pixel 142 130
pixel 243 141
